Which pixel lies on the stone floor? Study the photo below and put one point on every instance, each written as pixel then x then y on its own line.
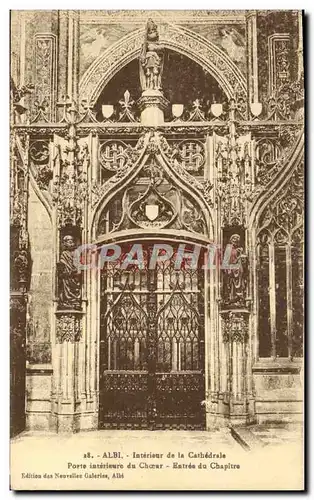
pixel 276 434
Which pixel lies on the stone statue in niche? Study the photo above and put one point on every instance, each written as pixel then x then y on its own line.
pixel 151 59
pixel 69 277
pixel 235 273
pixel 21 268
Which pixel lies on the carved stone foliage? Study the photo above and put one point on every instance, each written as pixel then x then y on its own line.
pixel 276 34
pixel 282 220
pixel 45 78
pixel 286 102
pixel 174 156
pixel 68 328
pixel 156 189
pixel 234 171
pixel 152 209
pixel 116 155
pixel 127 104
pixel 235 326
pixel 192 156
pixel 153 201
pixel 271 155
pixel 278 60
pixel 16 95
pixel 19 186
pixel 39 157
pixel 70 179
pixel 39 151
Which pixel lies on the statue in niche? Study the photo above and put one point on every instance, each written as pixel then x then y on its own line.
pixel 151 59
pixel 69 277
pixel 235 273
pixel 21 267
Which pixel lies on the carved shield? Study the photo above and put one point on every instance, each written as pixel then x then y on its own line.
pixel 107 110
pixel 256 108
pixel 151 211
pixel 177 110
pixel 216 109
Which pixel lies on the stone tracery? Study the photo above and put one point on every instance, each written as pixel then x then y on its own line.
pixel 203 174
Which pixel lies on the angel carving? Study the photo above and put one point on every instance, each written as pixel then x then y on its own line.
pixel 233 43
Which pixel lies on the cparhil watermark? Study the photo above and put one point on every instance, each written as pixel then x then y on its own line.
pixel 91 256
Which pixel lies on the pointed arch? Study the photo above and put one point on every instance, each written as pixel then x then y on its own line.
pixel 205 53
pixel 186 183
pixel 276 223
pixel 277 185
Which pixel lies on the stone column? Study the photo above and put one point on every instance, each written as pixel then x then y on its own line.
pixel 230 396
pixel 73 55
pixel 252 70
pixel 235 337
pixel 152 104
pixel 73 400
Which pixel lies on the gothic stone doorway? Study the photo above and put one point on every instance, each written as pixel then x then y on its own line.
pixel 152 345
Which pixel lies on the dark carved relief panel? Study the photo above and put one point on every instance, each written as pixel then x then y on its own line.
pixel 40 164
pixel 277 36
pixel 68 328
pixel 45 78
pixel 284 215
pixel 153 201
pixel 69 277
pixel 235 273
pixel 271 154
pixel 116 155
pixel 231 37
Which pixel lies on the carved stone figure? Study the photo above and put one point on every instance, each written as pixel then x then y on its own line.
pixel 235 273
pixel 151 59
pixel 69 277
pixel 21 267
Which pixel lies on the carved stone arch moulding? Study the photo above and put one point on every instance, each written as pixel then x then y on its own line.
pixel 182 40
pixel 283 215
pixel 294 162
pixel 173 197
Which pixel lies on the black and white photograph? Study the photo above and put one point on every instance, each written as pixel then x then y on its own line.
pixel 156 250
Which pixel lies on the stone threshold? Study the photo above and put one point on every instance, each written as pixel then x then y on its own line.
pixel 245 437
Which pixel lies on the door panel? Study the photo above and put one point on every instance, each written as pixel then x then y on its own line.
pixel 152 347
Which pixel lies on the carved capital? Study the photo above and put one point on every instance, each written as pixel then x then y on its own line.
pixel 152 99
pixel 69 327
pixel 235 326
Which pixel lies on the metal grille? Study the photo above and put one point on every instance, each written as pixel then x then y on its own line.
pixel 152 339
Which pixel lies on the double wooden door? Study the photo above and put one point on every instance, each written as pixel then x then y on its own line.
pixel 151 345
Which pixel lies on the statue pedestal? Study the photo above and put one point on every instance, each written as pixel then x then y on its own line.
pixel 74 405
pixel 152 104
